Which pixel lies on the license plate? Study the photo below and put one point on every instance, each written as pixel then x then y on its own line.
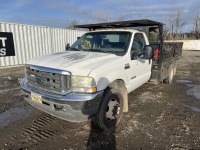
pixel 37 98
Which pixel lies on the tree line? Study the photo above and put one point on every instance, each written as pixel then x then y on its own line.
pixel 174 29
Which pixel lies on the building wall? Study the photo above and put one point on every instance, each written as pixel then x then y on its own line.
pixel 33 41
pixel 189 44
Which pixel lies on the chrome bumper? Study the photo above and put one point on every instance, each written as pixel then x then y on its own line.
pixel 73 107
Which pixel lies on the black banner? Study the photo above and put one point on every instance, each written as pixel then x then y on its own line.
pixel 6 44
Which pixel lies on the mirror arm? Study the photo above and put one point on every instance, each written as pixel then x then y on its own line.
pixel 67 46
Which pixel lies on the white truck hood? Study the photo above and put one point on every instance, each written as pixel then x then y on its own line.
pixel 78 63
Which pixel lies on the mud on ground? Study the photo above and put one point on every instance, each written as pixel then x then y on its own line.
pixel 159 117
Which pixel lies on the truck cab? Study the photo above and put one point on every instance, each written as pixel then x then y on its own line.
pixel 127 50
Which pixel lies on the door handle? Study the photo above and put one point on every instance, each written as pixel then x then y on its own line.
pixel 127 66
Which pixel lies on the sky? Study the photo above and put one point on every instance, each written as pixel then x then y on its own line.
pixel 58 13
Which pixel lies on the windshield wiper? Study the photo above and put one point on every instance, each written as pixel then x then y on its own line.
pixel 115 52
pixel 96 50
pixel 75 49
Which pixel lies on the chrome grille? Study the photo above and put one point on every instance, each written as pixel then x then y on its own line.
pixel 47 81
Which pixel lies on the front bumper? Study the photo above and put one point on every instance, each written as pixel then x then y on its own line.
pixel 73 107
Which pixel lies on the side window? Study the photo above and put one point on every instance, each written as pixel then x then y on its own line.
pixel 138 45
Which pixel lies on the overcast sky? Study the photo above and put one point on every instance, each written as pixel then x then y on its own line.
pixel 57 13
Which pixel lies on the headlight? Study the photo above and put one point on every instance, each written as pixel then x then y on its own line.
pixel 83 84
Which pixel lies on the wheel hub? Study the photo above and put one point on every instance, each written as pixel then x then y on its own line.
pixel 113 109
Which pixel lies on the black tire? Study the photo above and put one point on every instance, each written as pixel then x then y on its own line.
pixel 106 115
pixel 170 76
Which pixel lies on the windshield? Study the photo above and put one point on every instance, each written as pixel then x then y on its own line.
pixel 106 42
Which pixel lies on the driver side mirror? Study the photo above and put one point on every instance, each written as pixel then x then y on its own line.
pixel 148 52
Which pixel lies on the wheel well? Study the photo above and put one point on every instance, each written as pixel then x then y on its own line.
pixel 120 85
pixel 117 84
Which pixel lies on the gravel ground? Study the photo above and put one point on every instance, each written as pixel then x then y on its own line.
pixel 159 117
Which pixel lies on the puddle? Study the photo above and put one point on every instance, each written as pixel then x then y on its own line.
pixel 195 91
pixel 13 115
pixel 195 109
pixel 183 81
pixel 190 85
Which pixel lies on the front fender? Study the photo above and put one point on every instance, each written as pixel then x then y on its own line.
pixel 104 81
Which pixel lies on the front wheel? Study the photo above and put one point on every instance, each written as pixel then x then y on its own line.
pixel 111 109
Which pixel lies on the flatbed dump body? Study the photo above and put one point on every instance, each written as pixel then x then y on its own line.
pixel 169 55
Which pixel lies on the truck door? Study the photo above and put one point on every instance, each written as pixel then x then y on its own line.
pixel 140 68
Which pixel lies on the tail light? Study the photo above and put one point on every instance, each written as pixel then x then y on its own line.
pixel 156 54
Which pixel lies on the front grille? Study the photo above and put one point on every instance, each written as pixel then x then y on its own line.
pixel 47 81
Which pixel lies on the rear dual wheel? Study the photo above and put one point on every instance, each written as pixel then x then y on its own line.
pixel 170 76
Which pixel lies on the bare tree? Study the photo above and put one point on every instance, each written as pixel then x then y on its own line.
pixel 197 26
pixel 179 21
pixel 71 24
pixel 171 26
pixel 120 18
pixel 100 16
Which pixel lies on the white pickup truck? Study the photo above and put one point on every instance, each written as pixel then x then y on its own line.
pixel 94 76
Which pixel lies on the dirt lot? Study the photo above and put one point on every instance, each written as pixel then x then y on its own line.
pixel 160 117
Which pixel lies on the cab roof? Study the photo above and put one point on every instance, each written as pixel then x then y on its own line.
pixel 117 30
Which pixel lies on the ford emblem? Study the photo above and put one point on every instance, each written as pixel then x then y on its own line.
pixel 38 80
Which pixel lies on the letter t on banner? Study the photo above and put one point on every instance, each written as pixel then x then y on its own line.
pixel 6 44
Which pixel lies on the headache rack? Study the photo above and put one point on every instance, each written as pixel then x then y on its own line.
pixel 121 24
pixel 127 24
